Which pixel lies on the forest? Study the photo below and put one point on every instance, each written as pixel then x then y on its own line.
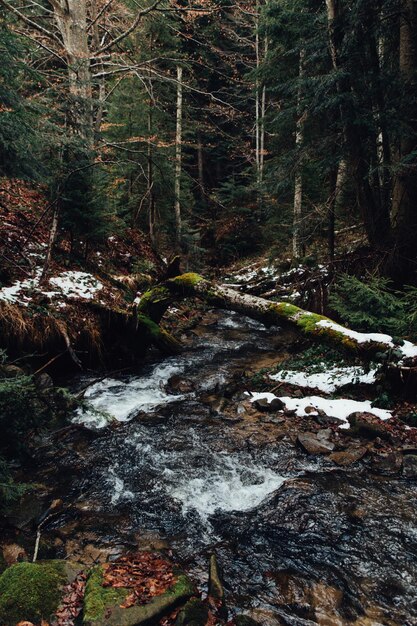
pixel 208 312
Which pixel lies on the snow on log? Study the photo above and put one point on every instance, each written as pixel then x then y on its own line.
pixel 155 302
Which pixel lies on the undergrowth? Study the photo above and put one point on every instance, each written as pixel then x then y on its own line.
pixel 373 306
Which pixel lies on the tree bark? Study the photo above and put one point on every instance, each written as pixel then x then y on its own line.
pixel 178 159
pixel 297 245
pixel 404 213
pixel 71 18
pixel 374 213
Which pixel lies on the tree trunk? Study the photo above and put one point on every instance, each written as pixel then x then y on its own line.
pixel 200 165
pixel 374 213
pixel 150 190
pixel 297 245
pixel 155 302
pixel 178 159
pixel 404 213
pixel 71 18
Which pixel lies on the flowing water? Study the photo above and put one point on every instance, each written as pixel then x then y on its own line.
pixel 296 537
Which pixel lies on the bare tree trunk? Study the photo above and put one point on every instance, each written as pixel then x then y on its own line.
pixel 337 182
pixel 298 186
pixel 71 18
pixel 404 214
pixel 178 159
pixel 150 190
pixel 200 165
pixel 51 242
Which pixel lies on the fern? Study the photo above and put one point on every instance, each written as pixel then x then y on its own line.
pixel 374 306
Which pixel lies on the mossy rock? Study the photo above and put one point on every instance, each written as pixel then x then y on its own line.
pixel 99 599
pixel 194 613
pixel 102 604
pixel 32 591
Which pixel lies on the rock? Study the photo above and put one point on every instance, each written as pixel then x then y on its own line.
pixel 410 466
pixel 177 384
pixel 368 425
pixel 32 591
pixel 44 382
pixel 102 604
pixel 275 405
pixel 312 444
pixel 194 613
pixel 348 457
pixel 216 589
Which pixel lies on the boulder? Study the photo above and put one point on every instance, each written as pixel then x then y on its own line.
pixel 32 591
pixel 313 444
pixel 368 425
pixel 102 604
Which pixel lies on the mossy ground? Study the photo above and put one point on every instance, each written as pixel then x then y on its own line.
pixel 98 598
pixel 30 591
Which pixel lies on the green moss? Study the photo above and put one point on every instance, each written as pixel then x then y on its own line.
pixel 187 280
pixel 30 591
pixel 151 327
pixel 182 586
pixel 98 598
pixel 285 309
pixel 155 302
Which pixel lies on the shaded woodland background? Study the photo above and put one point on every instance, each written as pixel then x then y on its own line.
pixel 221 128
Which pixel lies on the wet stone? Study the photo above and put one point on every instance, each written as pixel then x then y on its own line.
pixel 313 444
pixel 348 457
pixel 178 384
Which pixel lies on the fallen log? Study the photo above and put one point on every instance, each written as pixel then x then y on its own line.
pixel 155 302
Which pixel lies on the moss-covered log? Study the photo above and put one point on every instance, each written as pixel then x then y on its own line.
pixel 155 302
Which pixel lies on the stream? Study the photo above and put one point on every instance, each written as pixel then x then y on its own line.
pixel 300 541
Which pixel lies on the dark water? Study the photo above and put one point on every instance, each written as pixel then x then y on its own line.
pixel 295 536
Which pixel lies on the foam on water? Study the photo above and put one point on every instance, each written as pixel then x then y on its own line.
pixel 185 467
pixel 229 487
pixel 122 400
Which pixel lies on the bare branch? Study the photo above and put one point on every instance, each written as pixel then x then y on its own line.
pixel 131 28
pixel 42 45
pixel 30 22
pixel 99 14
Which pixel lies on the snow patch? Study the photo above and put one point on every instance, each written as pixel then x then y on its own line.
pixel 71 284
pixel 339 409
pixel 329 380
pixel 76 285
